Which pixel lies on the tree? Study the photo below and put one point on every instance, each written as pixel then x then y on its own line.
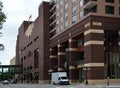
pixel 2 20
pixel 2 15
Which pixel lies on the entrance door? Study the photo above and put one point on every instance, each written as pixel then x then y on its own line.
pixel 81 75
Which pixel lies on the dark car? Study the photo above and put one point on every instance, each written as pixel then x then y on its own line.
pixel 13 82
pixel 5 82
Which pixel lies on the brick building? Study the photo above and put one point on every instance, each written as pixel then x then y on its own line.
pixel 81 34
pixel 32 49
pixel 85 34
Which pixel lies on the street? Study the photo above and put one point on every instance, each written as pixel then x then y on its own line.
pixel 56 86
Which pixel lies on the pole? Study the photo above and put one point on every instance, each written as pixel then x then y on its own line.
pixel 86 82
pixel 108 81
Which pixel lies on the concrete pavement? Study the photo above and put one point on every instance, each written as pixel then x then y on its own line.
pixel 29 85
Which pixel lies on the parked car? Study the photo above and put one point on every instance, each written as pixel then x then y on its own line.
pixel 5 82
pixel 13 82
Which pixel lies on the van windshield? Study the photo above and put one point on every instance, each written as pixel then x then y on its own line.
pixel 63 77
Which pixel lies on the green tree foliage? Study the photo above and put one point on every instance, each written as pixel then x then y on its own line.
pixel 2 15
pixel 2 20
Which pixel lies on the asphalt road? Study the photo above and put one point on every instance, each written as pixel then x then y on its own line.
pixel 56 86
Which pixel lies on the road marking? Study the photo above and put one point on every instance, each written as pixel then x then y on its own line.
pixel 61 87
pixel 100 86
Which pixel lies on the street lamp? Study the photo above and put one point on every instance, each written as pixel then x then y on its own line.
pixel 86 69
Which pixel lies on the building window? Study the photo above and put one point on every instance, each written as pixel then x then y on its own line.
pixel 74 9
pixel 57 6
pixel 60 11
pixel 61 27
pixel 66 6
pixel 57 14
pixel 81 14
pixel 57 30
pixel 73 19
pixel 111 60
pixel 73 1
pixel 81 3
pixel 66 24
pixel 119 10
pixel 24 57
pixel 55 1
pixel 36 58
pixel 110 1
pixel 61 2
pixel 61 19
pixel 66 15
pixel 57 22
pixel 22 61
pixel 109 9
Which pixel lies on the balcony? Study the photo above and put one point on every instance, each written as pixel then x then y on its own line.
pixel 90 4
pixel 90 10
pixel 52 4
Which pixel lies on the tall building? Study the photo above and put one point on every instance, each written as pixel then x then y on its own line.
pixel 32 49
pixel 85 39
pixel 13 61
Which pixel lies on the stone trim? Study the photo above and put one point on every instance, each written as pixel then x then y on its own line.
pixel 73 49
pixel 119 33
pixel 59 45
pixel 61 53
pixel 94 64
pixel 97 23
pixel 94 31
pixel 60 69
pixel 80 66
pixel 53 56
pixel 72 67
pixel 87 24
pixel 91 65
pixel 72 40
pixel 50 49
pixel 50 70
pixel 119 43
pixel 93 42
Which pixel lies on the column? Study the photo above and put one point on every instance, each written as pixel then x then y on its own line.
pixel 119 55
pixel 94 53
pixel 53 60
pixel 61 57
pixel 73 58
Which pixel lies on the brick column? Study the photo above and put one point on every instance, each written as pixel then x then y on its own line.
pixel 94 53
pixel 119 55
pixel 53 59
pixel 73 58
pixel 61 57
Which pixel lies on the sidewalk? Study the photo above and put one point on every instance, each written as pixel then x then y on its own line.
pixel 112 85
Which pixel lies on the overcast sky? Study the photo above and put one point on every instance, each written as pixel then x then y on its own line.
pixel 16 11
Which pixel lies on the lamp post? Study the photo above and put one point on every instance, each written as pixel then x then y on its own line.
pixel 86 69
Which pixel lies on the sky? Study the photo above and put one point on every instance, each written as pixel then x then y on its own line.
pixel 16 11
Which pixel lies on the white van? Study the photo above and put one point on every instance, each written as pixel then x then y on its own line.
pixel 59 78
